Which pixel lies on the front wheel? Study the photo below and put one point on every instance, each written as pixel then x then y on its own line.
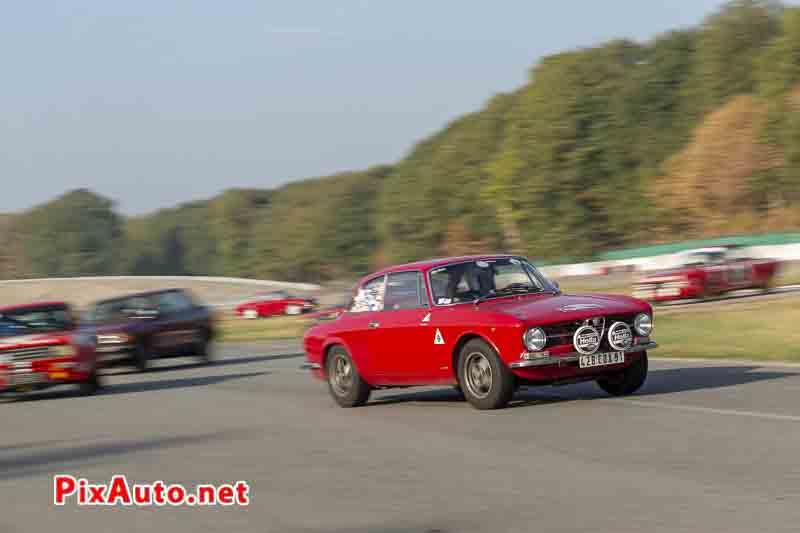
pixel 628 381
pixel 486 382
pixel 91 385
pixel 344 382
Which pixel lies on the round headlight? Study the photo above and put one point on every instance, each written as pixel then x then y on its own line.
pixel 643 324
pixel 535 339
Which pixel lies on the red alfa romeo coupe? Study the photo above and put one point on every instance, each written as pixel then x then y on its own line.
pixel 486 324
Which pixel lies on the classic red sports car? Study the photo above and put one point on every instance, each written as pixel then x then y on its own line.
pixel 275 303
pixel 487 324
pixel 707 272
pixel 40 346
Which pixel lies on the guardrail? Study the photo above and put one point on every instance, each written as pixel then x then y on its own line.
pixel 176 279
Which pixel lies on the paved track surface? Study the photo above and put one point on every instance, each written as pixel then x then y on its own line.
pixel 705 447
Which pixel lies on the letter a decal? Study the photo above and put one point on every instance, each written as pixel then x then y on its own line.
pixel 438 339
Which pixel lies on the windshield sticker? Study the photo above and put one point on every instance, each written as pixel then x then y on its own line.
pixel 444 301
pixel 482 264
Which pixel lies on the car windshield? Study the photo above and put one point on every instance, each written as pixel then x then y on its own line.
pixel 704 258
pixel 35 320
pixel 484 279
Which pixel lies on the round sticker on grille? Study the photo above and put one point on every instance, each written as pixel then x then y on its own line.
pixel 587 340
pixel 620 336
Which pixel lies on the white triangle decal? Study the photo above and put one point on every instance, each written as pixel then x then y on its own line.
pixel 438 339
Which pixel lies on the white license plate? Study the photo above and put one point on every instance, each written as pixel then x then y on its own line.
pixel 601 359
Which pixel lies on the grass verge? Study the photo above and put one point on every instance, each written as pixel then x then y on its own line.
pixel 760 331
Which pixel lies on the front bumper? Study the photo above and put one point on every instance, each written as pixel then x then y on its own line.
pixel 571 357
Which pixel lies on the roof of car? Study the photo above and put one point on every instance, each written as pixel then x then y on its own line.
pixel 144 294
pixel 429 264
pixel 33 305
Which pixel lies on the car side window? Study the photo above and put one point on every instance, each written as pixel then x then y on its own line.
pixel 403 291
pixel 369 296
pixel 173 302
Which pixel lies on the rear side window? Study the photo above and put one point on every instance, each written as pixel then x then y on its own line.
pixel 369 296
pixel 403 291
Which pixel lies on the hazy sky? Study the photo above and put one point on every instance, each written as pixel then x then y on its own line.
pixel 154 102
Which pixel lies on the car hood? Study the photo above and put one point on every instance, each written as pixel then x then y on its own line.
pixel 35 339
pixel 544 309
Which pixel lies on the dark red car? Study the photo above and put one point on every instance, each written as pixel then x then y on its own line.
pixel 707 272
pixel 275 303
pixel 40 347
pixel 487 324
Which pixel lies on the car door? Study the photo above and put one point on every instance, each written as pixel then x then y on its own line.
pixel 405 340
pixel 176 328
pixel 357 327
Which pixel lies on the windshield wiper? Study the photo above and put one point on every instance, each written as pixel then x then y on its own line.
pixel 514 288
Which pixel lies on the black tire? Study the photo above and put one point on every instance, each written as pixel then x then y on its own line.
pixel 205 350
pixel 485 380
pixel 459 393
pixel 91 385
pixel 344 382
pixel 141 357
pixel 628 381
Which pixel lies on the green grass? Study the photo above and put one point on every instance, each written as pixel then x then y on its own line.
pixel 235 329
pixel 763 331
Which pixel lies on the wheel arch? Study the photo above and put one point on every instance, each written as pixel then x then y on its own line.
pixel 459 345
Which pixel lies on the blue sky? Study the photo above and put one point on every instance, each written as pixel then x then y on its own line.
pixel 158 102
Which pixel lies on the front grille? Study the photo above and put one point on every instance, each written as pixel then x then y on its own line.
pixel 28 354
pixel 563 333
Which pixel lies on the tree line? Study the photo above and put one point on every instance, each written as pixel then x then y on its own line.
pixel 693 134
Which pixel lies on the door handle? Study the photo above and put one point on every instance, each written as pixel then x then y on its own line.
pixel 373 325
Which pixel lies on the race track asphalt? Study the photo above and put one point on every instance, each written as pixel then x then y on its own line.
pixel 704 447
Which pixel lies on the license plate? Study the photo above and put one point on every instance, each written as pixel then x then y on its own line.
pixel 601 359
pixel 644 294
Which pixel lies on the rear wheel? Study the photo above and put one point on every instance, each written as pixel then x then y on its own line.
pixel 344 382
pixel 628 381
pixel 141 357
pixel 485 381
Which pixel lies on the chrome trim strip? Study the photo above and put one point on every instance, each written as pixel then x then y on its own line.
pixel 571 357
pixel 310 366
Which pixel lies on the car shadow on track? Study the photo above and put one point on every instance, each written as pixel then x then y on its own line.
pixel 139 386
pixel 33 463
pixel 226 361
pixel 659 381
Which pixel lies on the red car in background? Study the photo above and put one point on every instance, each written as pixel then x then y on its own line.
pixel 275 303
pixel 708 272
pixel 487 324
pixel 40 347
